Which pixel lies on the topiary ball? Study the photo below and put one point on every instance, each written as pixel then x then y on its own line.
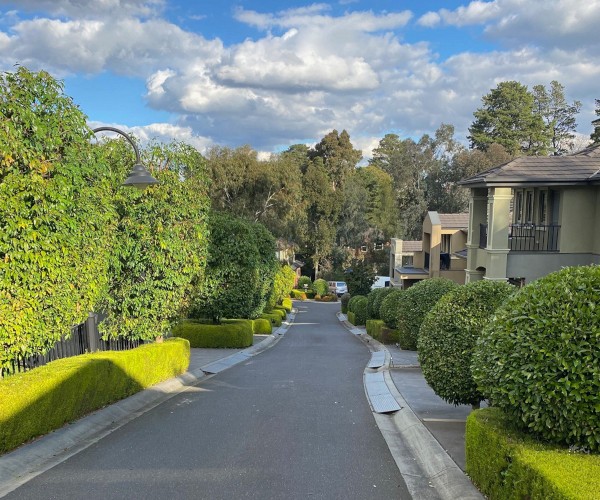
pixel 389 307
pixel 321 287
pixel 353 301
pixel 539 360
pixel 448 334
pixel 359 308
pixel 416 302
pixel 374 300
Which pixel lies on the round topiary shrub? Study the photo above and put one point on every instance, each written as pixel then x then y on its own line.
pixel 375 298
pixel 539 360
pixel 321 287
pixel 448 334
pixel 359 308
pixel 353 301
pixel 344 300
pixel 416 302
pixel 389 307
pixel 304 280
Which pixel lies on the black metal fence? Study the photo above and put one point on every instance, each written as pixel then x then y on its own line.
pixel 84 338
pixel 527 237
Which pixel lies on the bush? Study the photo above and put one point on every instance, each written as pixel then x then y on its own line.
pixel 321 287
pixel 304 280
pixel 505 463
pixel 287 304
pixel 416 302
pixel 283 283
pixel 374 327
pixel 359 308
pixel 353 301
pixel 345 299
pixel 389 307
pixel 43 399
pixel 261 326
pixel 279 310
pixel 230 333
pixel 351 317
pixel 298 295
pixel 360 278
pixel 375 298
pixel 539 360
pixel 330 297
pixel 448 335
pixel 274 318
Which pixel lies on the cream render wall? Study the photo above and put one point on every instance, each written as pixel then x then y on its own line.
pixel 577 218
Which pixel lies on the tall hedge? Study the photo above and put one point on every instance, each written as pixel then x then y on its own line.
pixel 283 284
pixel 55 224
pixel 539 360
pixel 414 305
pixel 375 298
pixel 448 334
pixel 161 240
pixel 240 269
pixel 389 307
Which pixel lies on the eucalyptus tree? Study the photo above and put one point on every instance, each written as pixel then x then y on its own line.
pixel 338 155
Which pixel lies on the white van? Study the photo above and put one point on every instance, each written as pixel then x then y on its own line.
pixel 381 282
pixel 338 287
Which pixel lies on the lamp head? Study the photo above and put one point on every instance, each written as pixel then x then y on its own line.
pixel 140 178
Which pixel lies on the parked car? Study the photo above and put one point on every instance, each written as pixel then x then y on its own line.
pixel 381 282
pixel 338 287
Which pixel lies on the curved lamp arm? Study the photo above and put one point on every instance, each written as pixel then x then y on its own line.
pixel 139 177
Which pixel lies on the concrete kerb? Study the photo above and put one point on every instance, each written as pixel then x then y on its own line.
pixel 428 470
pixel 23 464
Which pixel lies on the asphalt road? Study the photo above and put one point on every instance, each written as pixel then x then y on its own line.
pixel 290 423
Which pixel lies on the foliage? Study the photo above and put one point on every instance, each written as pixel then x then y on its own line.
pixel 261 326
pixel 240 269
pixel 448 334
pixel 359 308
pixel 298 294
pixel 374 300
pixel 353 300
pixel 508 117
pixel 360 278
pixel 505 464
pixel 160 248
pixel 305 280
pixel 41 400
pixel 595 135
pixel 55 223
pixel 539 360
pixel 321 287
pixel 287 304
pixel 388 311
pixel 345 299
pixel 229 334
pixel 283 283
pixel 338 155
pixel 374 327
pixel 274 318
pixel 416 302
pixel 330 297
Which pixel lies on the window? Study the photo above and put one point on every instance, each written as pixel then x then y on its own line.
pixel 407 261
pixel 542 211
pixel 529 206
pixel 445 245
pixel 519 207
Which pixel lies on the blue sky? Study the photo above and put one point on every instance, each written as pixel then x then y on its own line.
pixel 274 73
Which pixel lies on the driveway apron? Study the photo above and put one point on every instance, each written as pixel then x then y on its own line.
pixel 290 423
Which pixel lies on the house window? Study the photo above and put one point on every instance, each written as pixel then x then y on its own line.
pixel 407 261
pixel 445 245
pixel 542 207
pixel 519 207
pixel 529 206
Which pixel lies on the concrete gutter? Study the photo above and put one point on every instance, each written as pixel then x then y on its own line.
pixel 28 461
pixel 428 470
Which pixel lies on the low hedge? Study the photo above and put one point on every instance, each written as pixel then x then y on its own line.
pixel 351 317
pixel 298 295
pixel 507 464
pixel 41 400
pixel 278 310
pixel 274 318
pixel 287 304
pixel 330 297
pixel 230 333
pixel 261 326
pixel 374 327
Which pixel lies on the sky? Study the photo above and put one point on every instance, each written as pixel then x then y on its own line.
pixel 275 73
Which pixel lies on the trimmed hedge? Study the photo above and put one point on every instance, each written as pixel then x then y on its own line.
pixel 298 294
pixel 330 297
pixel 278 310
pixel 539 361
pixel 353 300
pixel 416 302
pixel 374 327
pixel 274 318
pixel 41 400
pixel 351 317
pixel 230 333
pixel 261 326
pixel 507 464
pixel 375 298
pixel 345 299
pixel 389 307
pixel 359 308
pixel 287 304
pixel 321 287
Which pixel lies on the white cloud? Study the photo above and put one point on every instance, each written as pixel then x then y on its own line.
pixel 91 8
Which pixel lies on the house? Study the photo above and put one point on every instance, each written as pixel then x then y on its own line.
pixel 441 252
pixel 534 215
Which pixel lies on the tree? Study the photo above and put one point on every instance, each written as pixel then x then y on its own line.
pixel 558 115
pixel 55 222
pixel 595 135
pixel 508 117
pixel 339 156
pixel 360 278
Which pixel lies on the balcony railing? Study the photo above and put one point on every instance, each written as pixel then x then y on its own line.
pixel 527 237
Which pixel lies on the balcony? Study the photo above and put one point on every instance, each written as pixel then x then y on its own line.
pixel 527 237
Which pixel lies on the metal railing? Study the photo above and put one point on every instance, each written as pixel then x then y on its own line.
pixel 527 237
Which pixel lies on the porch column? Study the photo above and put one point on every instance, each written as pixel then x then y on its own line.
pixel 497 236
pixel 477 216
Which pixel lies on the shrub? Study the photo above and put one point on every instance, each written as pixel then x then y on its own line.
pixel 230 333
pixel 374 300
pixel 505 463
pixel 279 310
pixel 448 335
pixel 353 301
pixel 298 295
pixel 374 327
pixel 416 302
pixel 351 317
pixel 43 399
pixel 274 318
pixel 360 278
pixel 539 360
pixel 261 326
pixel 389 307
pixel 283 283
pixel 304 280
pixel 330 297
pixel 359 308
pixel 321 287
pixel 344 300
pixel 287 304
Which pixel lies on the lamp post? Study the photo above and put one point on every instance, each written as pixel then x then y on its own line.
pixel 139 177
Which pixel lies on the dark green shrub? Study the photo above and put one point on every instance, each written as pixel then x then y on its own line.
pixel 321 287
pixel 539 360
pixel 353 300
pixel 274 318
pixel 375 298
pixel 448 335
pixel 230 333
pixel 389 336
pixel 287 304
pixel 261 326
pixel 359 308
pixel 361 278
pixel 344 300
pixel 416 302
pixel 374 327
pixel 507 464
pixel 304 280
pixel 389 307
pixel 43 399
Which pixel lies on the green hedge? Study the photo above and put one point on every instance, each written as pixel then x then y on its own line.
pixel 374 327
pixel 507 464
pixel 41 400
pixel 287 304
pixel 281 311
pixel 230 333
pixel 262 326
pixel 351 317
pixel 274 318
pixel 321 287
pixel 298 295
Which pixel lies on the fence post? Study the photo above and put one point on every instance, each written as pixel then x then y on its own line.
pixel 91 328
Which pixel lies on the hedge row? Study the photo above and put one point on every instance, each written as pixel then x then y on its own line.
pixel 230 333
pixel 507 464
pixel 37 402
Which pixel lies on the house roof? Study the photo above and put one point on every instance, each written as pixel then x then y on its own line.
pixel 412 246
pixel 579 168
pixel 454 221
pixel 411 270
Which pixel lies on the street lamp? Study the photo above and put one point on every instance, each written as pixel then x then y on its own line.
pixel 139 177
